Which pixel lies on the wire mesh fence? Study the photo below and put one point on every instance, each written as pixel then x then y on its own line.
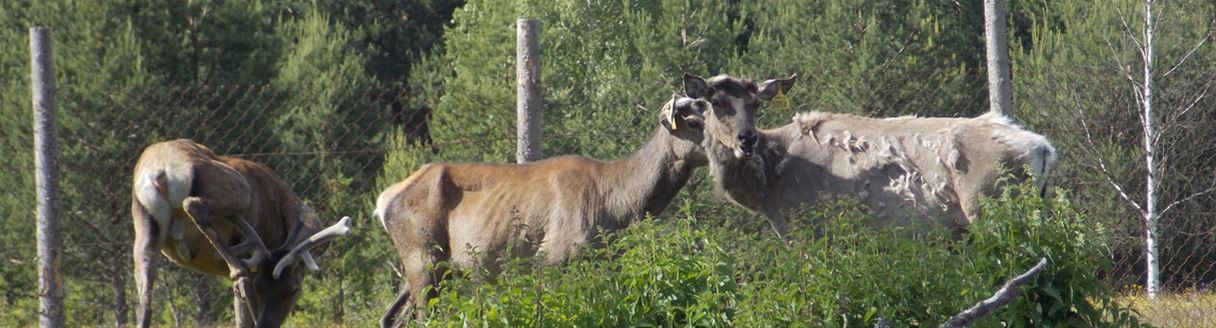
pixel 333 155
pixel 331 161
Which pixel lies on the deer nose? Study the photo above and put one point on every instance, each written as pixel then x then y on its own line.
pixel 748 139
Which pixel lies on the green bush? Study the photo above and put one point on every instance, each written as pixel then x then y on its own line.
pixel 656 275
pixel 853 275
pixel 1018 230
pixel 687 273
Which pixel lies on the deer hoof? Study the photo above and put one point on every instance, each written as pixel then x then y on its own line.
pixel 240 284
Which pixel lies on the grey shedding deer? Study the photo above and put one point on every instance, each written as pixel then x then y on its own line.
pixel 181 188
pixel 471 214
pixel 903 168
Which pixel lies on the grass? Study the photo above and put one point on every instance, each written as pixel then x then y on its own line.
pixel 1185 309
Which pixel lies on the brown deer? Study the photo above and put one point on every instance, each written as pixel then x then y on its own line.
pixel 181 181
pixel 904 168
pixel 470 214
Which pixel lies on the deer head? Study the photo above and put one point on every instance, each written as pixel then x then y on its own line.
pixel 734 106
pixel 684 117
pixel 272 286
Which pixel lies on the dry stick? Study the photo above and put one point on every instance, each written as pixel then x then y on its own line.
pixel 1006 294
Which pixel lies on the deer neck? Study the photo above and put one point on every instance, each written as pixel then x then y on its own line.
pixel 745 181
pixel 646 182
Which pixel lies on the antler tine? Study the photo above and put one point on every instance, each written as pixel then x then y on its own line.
pixel 302 250
pixel 252 243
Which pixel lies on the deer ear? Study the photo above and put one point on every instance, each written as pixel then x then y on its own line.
pixel 668 114
pixel 684 113
pixel 770 88
pixel 695 86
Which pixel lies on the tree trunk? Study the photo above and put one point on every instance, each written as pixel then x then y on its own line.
pixel 46 165
pixel 1152 282
pixel 999 86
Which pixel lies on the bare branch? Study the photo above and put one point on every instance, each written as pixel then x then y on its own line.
pixel 1188 53
pixel 1172 118
pixel 1006 294
pixel 1122 68
pixel 1196 101
pixel 1089 139
pixel 1130 34
pixel 1209 190
pixel 1118 188
pixel 1138 95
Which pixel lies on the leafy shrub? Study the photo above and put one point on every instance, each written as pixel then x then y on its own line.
pixel 656 275
pixel 1017 231
pixel 843 273
pixel 854 275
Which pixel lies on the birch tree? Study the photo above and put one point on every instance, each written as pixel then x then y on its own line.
pixel 1154 122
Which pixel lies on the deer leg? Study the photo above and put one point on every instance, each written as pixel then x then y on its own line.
pixel 780 224
pixel 241 309
pixel 144 253
pixel 421 273
pixel 969 201
pixel 177 235
pixel 242 285
pixel 389 320
pixel 200 213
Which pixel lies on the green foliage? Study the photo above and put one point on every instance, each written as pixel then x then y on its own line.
pixel 1072 79
pixel 684 273
pixel 878 58
pixel 605 69
pixel 681 279
pixel 396 33
pixel 134 72
pixel 854 275
pixel 321 114
pixel 97 62
pixel 1017 230
pixel 309 84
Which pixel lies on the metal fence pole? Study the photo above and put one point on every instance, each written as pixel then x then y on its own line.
pixel 527 90
pixel 46 164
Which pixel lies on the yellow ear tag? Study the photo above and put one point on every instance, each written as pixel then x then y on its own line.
pixel 780 100
pixel 671 111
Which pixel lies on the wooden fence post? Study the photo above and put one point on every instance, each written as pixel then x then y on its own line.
pixel 46 166
pixel 1000 88
pixel 527 90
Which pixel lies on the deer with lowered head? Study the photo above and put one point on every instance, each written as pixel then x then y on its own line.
pixel 471 214
pixel 201 210
pixel 903 168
